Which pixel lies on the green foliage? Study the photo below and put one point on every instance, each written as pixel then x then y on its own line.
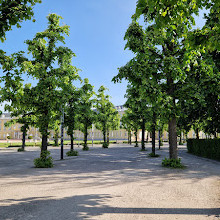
pixel 45 161
pixel 72 153
pixel 87 115
pixel 48 95
pixel 8 137
pixel 209 148
pixel 172 163
pixel 30 137
pixel 105 145
pixel 107 117
pixel 153 155
pixel 13 13
pixel 21 149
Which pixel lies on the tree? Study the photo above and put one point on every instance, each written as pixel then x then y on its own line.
pixel 87 115
pixel 14 12
pixel 71 112
pixel 107 116
pixel 167 23
pixel 16 94
pixel 131 122
pixel 52 69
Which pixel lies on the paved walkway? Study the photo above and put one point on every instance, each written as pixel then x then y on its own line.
pixel 119 183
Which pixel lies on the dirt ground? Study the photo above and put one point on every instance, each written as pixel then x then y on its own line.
pixel 119 183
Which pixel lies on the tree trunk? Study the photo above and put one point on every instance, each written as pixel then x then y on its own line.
pixel 108 136
pixel 173 139
pixel 153 133
pixel 56 135
pixel 23 138
pixel 85 137
pixel 147 136
pixel 130 138
pixel 71 139
pixel 159 139
pixel 143 134
pixel 44 143
pixel 136 137
pixel 104 136
pixel 197 133
pixel 180 138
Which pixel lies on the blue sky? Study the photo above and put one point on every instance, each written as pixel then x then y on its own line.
pixel 97 29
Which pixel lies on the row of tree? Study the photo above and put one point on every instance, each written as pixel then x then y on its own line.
pixel 41 105
pixel 175 74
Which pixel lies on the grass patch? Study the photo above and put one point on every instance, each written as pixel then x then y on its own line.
pixel 20 149
pixel 153 155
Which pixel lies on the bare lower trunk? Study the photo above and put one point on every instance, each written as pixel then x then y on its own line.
pixel 143 134
pixel 173 139
pixel 153 139
pixel 108 137
pixel 71 144
pixel 104 136
pixel 44 143
pixel 159 139
pixel 56 136
pixel 23 139
pixel 85 137
pixel 130 138
pixel 147 136
pixel 197 133
pixel 180 138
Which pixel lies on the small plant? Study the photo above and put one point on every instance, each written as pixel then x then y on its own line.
pixel 136 145
pixel 85 147
pixel 180 143
pixel 30 137
pixel 21 149
pixel 173 163
pixel 72 153
pixel 153 155
pixel 105 145
pixel 45 161
pixel 8 137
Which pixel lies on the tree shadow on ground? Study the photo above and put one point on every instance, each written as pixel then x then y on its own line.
pixel 88 207
pixel 107 167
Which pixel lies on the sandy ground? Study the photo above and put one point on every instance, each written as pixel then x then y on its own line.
pixel 119 183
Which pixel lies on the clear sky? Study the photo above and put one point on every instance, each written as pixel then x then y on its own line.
pixel 97 29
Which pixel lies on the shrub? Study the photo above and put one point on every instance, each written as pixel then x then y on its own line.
pixel 105 145
pixel 45 161
pixel 20 149
pixel 30 137
pixel 9 137
pixel 209 148
pixel 153 155
pixel 180 143
pixel 136 145
pixel 173 163
pixel 85 147
pixel 72 153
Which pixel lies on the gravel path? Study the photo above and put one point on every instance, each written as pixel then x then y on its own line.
pixel 119 183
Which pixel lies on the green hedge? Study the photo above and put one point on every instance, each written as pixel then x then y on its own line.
pixel 209 148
